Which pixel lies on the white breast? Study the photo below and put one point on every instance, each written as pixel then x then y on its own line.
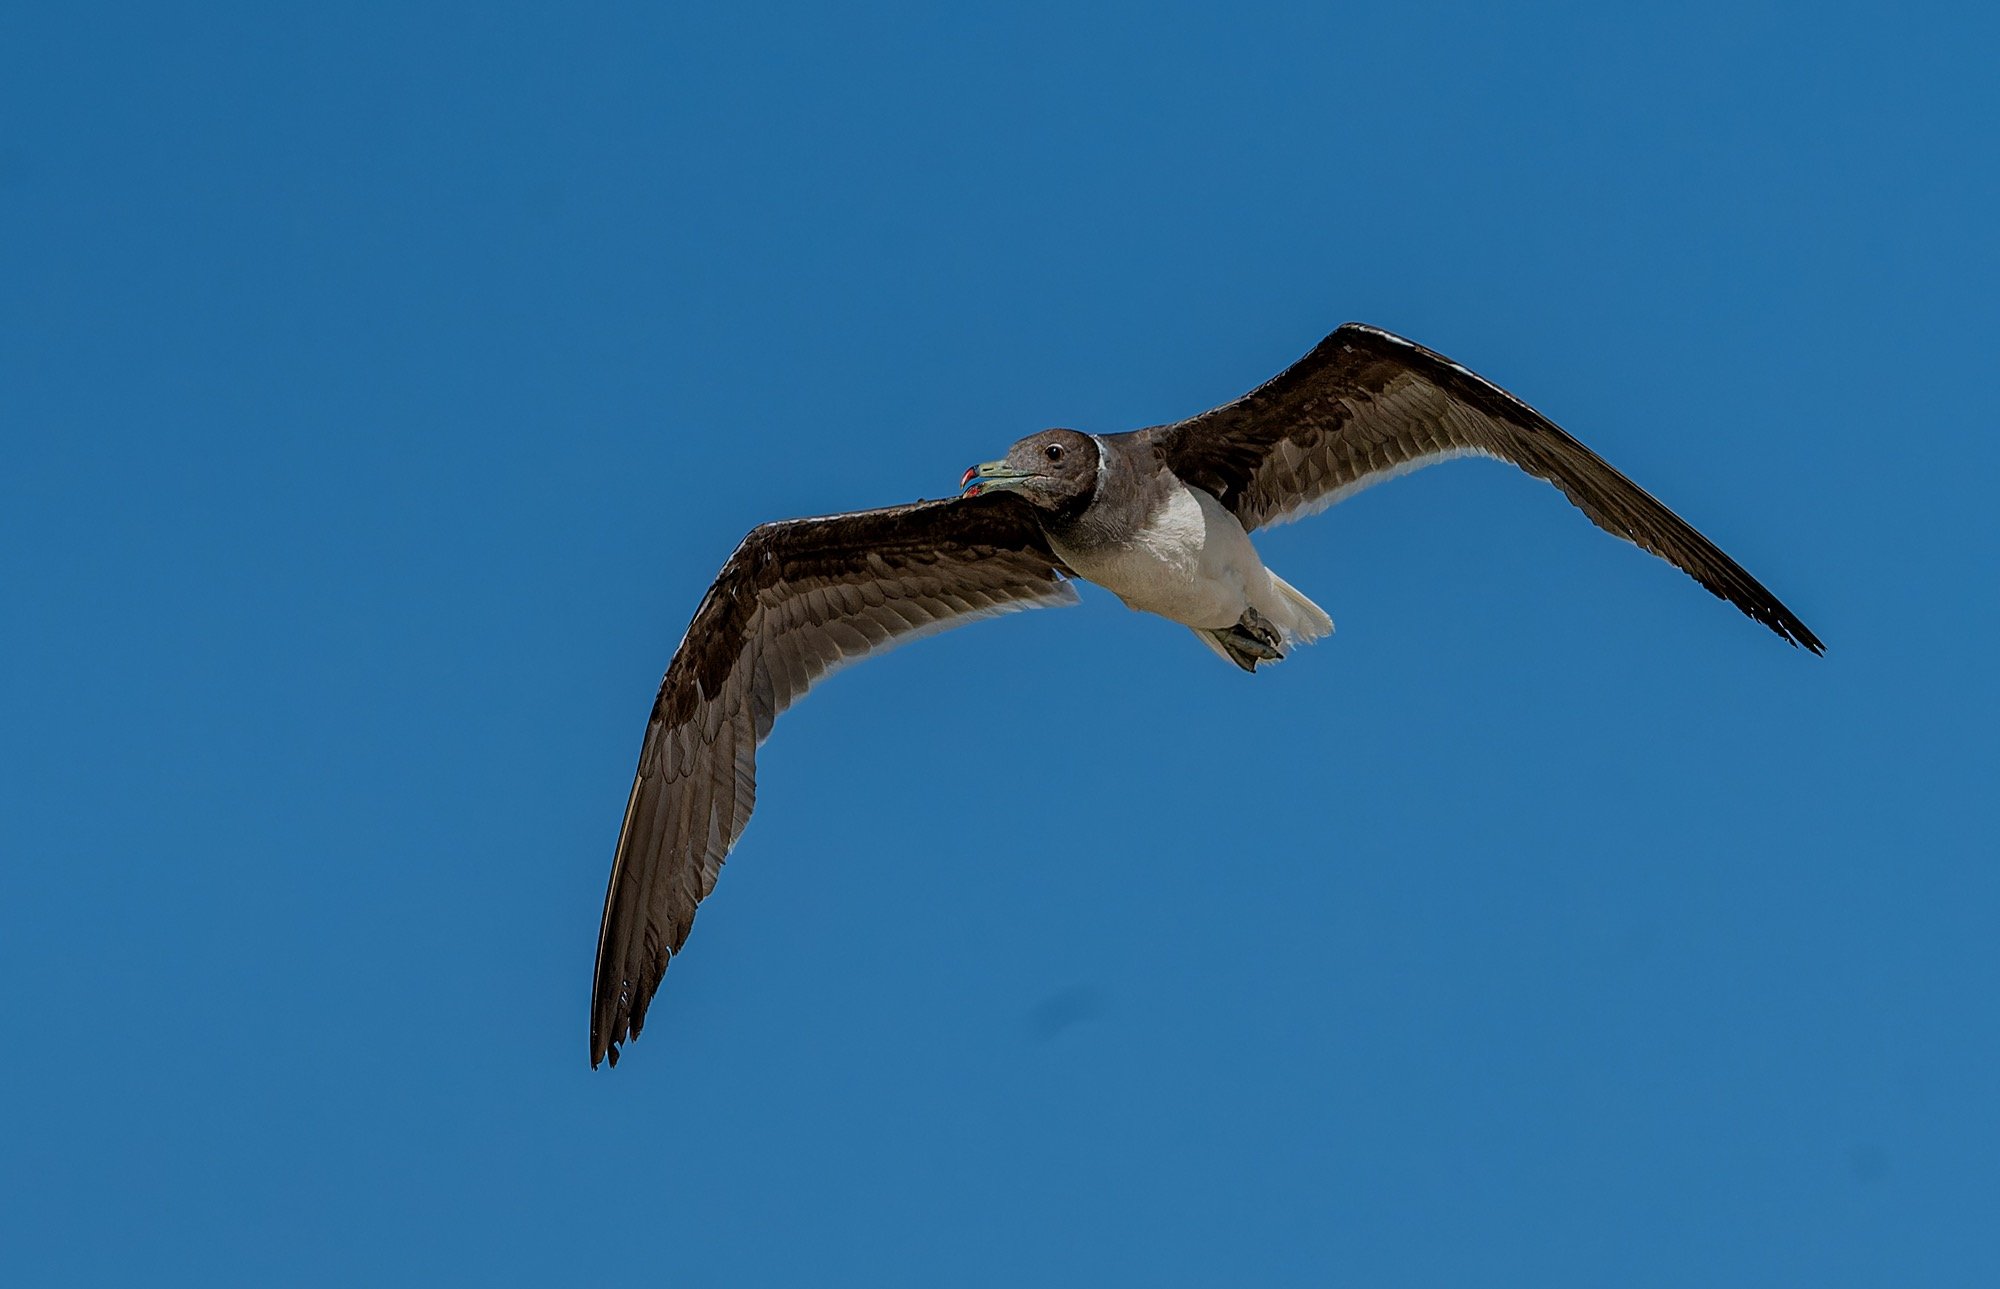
pixel 1191 563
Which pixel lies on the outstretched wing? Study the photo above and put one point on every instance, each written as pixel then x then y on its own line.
pixel 1366 405
pixel 796 600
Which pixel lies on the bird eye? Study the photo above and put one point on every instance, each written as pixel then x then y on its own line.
pixel 1053 451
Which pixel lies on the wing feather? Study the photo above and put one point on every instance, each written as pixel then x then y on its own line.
pixel 795 601
pixel 1366 405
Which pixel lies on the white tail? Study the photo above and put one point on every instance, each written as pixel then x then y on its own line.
pixel 1302 620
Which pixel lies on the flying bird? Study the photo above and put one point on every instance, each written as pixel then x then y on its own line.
pixel 1160 517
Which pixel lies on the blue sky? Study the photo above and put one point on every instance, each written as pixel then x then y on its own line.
pixel 383 384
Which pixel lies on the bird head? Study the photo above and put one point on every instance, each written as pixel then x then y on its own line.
pixel 1055 470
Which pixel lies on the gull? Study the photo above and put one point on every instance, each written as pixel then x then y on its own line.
pixel 1160 517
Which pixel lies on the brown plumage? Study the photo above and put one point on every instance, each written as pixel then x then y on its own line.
pixel 1365 405
pixel 801 597
pixel 796 600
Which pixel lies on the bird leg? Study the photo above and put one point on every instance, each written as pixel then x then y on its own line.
pixel 1252 640
pixel 1257 634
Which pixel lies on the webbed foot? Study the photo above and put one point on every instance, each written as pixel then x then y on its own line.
pixel 1252 640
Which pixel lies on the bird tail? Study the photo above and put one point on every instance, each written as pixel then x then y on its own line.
pixel 1302 620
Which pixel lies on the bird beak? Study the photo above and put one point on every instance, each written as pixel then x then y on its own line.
pixel 992 476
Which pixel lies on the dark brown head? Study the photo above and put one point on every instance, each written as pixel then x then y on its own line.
pixel 1055 470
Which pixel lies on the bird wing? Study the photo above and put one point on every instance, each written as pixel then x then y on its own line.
pixel 797 599
pixel 1366 405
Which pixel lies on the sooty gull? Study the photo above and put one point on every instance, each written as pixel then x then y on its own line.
pixel 1159 516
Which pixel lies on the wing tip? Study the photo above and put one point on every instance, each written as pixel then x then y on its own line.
pixel 1762 607
pixel 1799 635
pixel 604 1049
pixel 619 1023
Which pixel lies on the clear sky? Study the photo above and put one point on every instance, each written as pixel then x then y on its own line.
pixel 382 384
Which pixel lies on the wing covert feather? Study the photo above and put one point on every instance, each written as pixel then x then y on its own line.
pixel 796 600
pixel 1366 405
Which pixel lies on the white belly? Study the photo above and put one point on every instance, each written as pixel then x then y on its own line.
pixel 1192 564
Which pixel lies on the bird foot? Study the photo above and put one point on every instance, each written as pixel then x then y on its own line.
pixel 1252 640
